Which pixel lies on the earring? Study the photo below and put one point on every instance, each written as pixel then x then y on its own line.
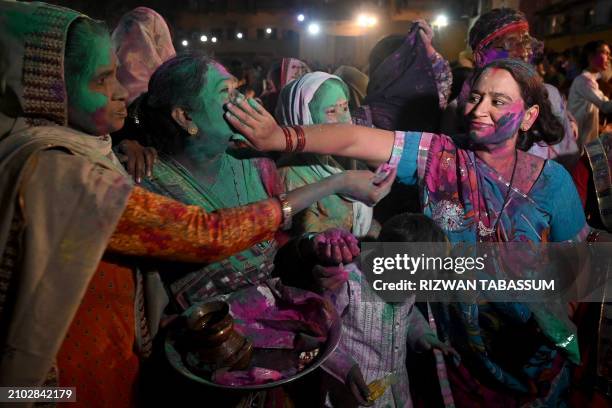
pixel 192 130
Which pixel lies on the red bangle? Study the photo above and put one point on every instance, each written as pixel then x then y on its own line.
pixel 301 138
pixel 288 141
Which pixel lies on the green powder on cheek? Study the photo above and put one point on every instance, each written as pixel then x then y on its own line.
pixel 327 95
pixel 80 94
pixel 209 118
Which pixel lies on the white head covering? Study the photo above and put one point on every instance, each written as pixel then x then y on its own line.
pixel 292 109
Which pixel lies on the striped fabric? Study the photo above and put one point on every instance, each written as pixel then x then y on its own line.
pixel 375 335
pixel 445 388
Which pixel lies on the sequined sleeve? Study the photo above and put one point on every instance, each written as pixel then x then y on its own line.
pixel 159 227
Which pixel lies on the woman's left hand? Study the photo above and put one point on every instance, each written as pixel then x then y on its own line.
pixel 140 159
pixel 335 246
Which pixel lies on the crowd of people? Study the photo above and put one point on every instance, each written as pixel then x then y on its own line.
pixel 137 182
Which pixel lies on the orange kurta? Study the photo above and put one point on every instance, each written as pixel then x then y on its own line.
pixel 97 356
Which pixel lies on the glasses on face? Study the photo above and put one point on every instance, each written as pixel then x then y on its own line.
pixel 522 43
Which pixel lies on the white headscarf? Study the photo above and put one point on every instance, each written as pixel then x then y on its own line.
pixel 292 109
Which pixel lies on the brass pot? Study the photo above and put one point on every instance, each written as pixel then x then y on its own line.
pixel 212 337
pixel 210 324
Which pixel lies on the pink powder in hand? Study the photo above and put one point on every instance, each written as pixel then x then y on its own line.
pixel 382 172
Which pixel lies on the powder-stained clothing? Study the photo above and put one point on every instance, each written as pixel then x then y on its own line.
pixel 464 195
pixel 375 335
pixel 585 102
pixel 409 89
pixel 467 199
pixel 67 206
pixel 97 354
pixel 258 179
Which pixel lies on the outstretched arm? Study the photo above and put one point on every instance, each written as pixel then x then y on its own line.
pixel 159 227
pixel 259 127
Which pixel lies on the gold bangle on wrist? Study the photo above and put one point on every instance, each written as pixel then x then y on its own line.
pixel 286 210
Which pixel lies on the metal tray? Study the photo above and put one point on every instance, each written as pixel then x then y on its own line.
pixel 266 358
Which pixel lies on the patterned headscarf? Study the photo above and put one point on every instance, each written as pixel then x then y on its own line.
pixel 32 45
pixel 142 42
pixel 493 25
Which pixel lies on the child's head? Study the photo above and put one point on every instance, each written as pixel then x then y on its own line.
pixel 409 227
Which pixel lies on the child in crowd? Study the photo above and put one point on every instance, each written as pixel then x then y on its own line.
pixel 375 334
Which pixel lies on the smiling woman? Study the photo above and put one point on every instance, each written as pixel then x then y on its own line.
pixel 506 102
pixel 504 33
pixel 486 191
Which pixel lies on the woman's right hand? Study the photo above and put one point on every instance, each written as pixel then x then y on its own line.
pixel 256 124
pixel 358 185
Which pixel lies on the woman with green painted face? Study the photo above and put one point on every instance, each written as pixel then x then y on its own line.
pixel 71 217
pixel 182 116
pixel 319 98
